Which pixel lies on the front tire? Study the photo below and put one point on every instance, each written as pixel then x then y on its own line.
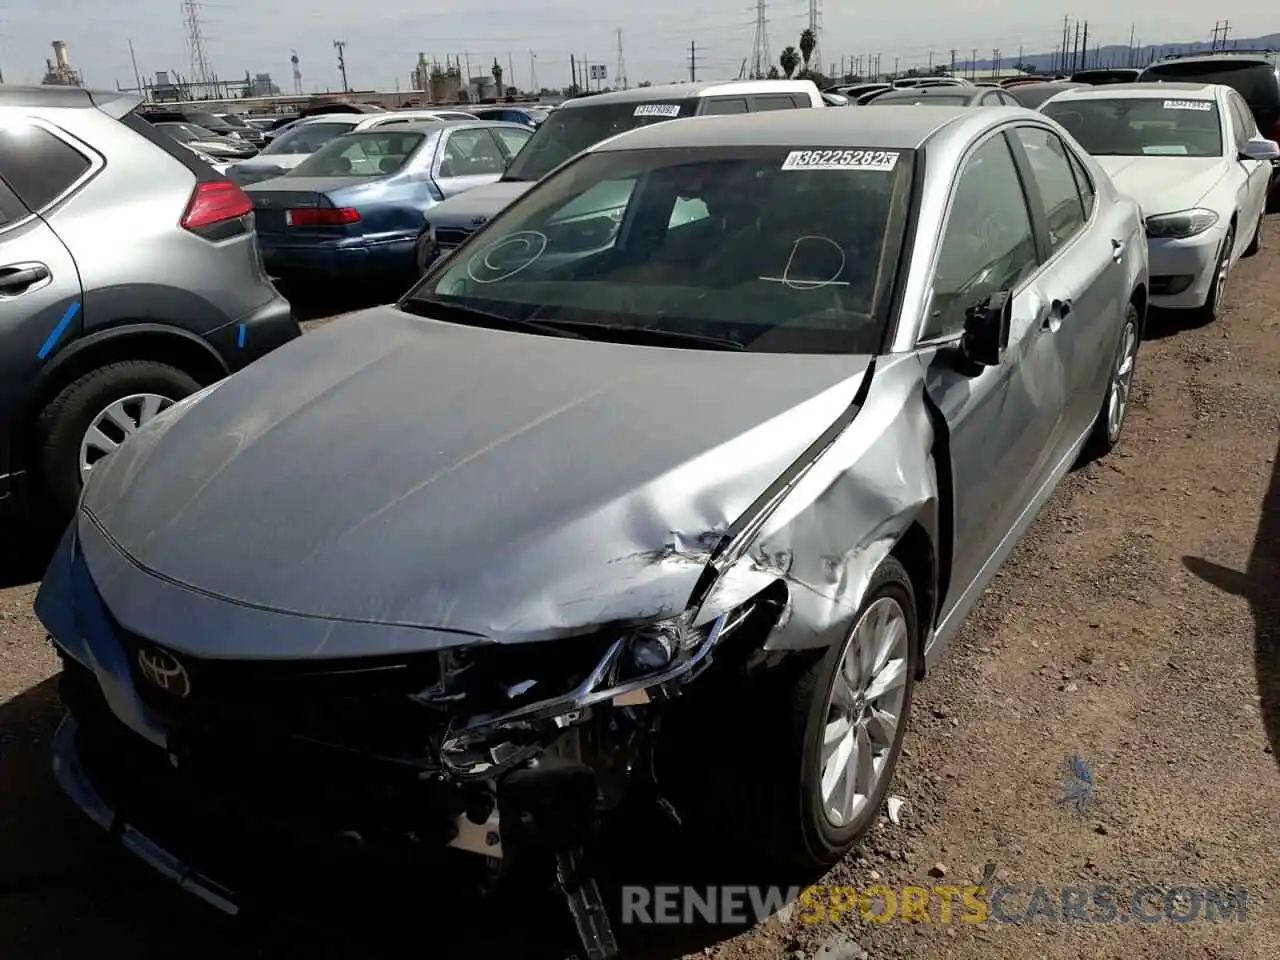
pixel 93 415
pixel 1255 245
pixel 825 743
pixel 1213 305
pixel 1115 405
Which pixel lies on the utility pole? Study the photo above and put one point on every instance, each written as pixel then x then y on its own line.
pixel 340 46
pixel 931 61
pixel 1129 59
pixel 573 69
pixel 620 75
pixel 137 77
pixel 1019 63
pixel 511 72
pixel 895 68
pixel 815 24
pixel 1075 49
pixel 973 62
pixel 533 73
pixel 1066 37
pixel 1084 48
pixel 953 61
pixel 693 61
pixel 1226 29
pixel 995 63
pixel 760 56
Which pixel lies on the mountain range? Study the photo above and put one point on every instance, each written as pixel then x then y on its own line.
pixel 1119 55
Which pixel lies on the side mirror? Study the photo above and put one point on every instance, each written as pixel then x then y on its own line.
pixel 986 334
pixel 1260 148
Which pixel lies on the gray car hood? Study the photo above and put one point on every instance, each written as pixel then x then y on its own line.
pixel 484 201
pixel 443 483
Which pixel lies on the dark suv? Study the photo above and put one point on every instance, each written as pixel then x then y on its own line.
pixel 129 278
pixel 1252 75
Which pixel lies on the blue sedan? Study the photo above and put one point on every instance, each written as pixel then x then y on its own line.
pixel 355 208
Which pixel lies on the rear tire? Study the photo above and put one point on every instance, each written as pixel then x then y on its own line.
pixel 424 252
pixel 62 426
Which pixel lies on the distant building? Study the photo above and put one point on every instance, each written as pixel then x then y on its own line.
pixel 58 71
pixel 260 86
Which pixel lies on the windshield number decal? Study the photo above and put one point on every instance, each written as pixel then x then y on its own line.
pixel 658 110
pixel 1202 105
pixel 882 160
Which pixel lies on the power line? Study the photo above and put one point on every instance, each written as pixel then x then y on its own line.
pixel 761 59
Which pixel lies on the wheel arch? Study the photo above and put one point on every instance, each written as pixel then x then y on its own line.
pixel 157 342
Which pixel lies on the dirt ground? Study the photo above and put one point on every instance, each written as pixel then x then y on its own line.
pixel 1137 627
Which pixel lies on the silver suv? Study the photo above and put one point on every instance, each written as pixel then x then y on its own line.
pixel 129 278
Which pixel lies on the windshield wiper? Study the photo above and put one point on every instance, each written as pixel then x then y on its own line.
pixel 622 331
pixel 433 308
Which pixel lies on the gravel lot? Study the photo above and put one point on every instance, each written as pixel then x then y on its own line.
pixel 1138 626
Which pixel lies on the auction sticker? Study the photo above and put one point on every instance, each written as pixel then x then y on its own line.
pixel 658 110
pixel 882 160
pixel 1203 105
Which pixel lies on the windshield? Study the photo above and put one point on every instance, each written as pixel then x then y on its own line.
pixel 785 251
pixel 307 137
pixel 207 120
pixel 235 121
pixel 1132 127
pixel 361 155
pixel 568 131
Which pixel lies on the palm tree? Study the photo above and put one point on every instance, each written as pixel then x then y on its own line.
pixel 807 42
pixel 789 60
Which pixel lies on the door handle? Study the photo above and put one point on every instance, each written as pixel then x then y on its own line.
pixel 1117 250
pixel 21 277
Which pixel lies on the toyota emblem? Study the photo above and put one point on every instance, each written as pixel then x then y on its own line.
pixel 162 670
pixel 477 221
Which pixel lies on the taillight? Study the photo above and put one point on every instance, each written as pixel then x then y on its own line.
pixel 321 216
pixel 215 202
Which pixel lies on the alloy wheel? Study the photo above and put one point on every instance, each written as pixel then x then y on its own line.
pixel 115 424
pixel 863 711
pixel 1122 381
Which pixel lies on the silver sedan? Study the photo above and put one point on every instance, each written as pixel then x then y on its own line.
pixel 699 487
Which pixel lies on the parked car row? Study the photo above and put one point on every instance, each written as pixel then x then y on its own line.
pixel 356 589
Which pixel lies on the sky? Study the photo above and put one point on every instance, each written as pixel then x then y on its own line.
pixel 383 38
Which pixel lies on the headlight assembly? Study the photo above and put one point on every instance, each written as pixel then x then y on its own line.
pixel 1180 225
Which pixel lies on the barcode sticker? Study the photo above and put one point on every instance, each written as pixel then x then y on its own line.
pixel 658 110
pixel 1203 105
pixel 881 160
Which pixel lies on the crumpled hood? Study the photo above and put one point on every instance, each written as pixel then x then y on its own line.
pixel 484 201
pixel 392 470
pixel 1164 184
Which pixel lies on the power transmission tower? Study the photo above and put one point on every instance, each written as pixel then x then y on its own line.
pixel 340 46
pixel 815 25
pixel 693 61
pixel 620 71
pixel 953 61
pixel 195 42
pixel 297 73
pixel 761 59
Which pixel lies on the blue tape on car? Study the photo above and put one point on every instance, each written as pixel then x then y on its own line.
pixel 46 348
pixel 240 338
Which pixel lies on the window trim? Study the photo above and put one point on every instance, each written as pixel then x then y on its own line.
pixel 920 341
pixel 97 162
pixel 1039 214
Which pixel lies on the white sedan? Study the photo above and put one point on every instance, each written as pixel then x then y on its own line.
pixel 1192 157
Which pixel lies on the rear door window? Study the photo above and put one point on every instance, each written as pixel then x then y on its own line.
pixel 471 153
pixel 717 106
pixel 38 166
pixel 777 101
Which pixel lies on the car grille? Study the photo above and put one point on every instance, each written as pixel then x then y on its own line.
pixel 451 237
pixel 358 704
